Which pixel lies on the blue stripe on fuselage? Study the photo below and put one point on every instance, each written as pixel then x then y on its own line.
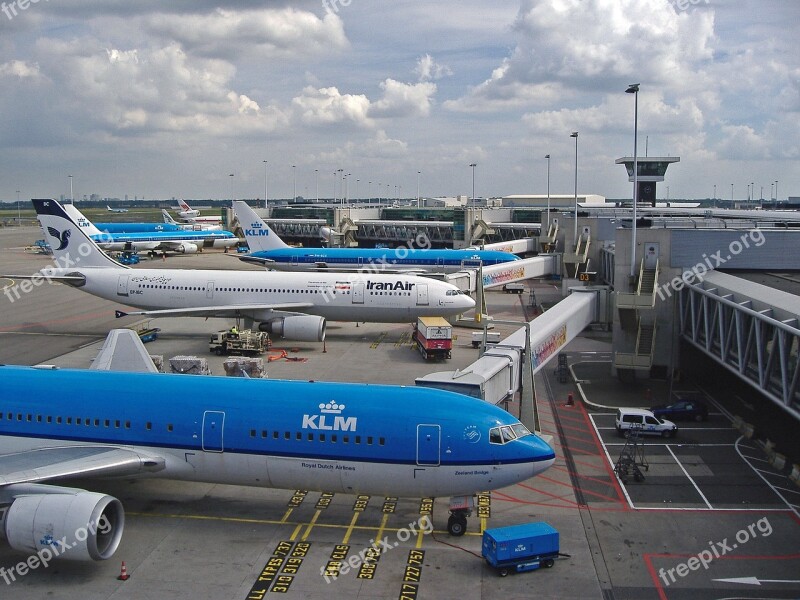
pixel 379 422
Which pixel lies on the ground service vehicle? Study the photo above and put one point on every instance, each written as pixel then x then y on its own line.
pixel 434 337
pixel 682 410
pixel 519 548
pixel 241 342
pixel 644 421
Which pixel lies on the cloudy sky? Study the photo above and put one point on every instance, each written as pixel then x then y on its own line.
pixel 162 99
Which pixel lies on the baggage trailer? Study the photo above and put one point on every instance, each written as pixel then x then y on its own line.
pixel 434 337
pixel 519 548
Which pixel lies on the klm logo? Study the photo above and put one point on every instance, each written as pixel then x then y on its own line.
pixel 330 419
pixel 256 230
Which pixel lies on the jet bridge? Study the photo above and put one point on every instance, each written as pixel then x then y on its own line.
pixel 496 376
pixel 750 329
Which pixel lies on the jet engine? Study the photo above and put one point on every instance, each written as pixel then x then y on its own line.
pixel 186 248
pixel 302 328
pixel 71 524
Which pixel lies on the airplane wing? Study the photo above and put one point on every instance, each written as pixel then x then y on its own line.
pixel 73 279
pixel 255 259
pixel 123 350
pixel 75 461
pixel 221 311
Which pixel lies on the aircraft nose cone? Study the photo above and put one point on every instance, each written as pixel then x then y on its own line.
pixel 542 455
pixel 467 302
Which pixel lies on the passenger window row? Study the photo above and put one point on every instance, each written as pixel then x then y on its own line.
pixel 318 437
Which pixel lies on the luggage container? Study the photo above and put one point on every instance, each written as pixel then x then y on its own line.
pixel 519 548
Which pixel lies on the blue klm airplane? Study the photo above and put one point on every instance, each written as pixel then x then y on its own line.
pixel 166 239
pixel 334 437
pixel 268 249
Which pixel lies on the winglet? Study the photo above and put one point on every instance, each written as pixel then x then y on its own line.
pixel 258 234
pixel 123 350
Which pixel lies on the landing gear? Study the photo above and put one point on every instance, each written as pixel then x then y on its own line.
pixel 457 523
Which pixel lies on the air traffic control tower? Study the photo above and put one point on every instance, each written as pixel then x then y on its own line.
pixel 651 171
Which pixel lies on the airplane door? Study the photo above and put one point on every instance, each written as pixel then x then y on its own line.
pixel 428 443
pixel 210 290
pixel 213 424
pixel 422 294
pixel 122 285
pixel 294 260
pixel 358 292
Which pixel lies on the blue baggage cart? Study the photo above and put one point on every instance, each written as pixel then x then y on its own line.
pixel 519 548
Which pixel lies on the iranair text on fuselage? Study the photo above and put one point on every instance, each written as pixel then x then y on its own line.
pixel 331 419
pixel 389 286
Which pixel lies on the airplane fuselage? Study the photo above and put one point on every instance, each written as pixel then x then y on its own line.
pixel 334 296
pixel 351 438
pixel 378 259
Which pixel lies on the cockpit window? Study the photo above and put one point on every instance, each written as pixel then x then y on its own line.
pixel 453 292
pixel 507 433
pixel 520 430
pixel 494 436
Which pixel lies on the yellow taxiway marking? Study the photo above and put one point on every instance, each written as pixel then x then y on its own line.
pixel 277 522
pixel 346 538
pixel 311 525
pixel 295 532
pixel 286 515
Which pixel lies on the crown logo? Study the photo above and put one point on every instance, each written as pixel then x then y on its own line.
pixel 331 408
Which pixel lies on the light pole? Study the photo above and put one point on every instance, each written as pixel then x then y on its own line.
pixel 752 193
pixel 632 89
pixel 731 195
pixel 369 191
pixel 71 196
pixel 19 211
pixel 547 156
pixel 316 181
pixel 233 197
pixel 473 165
pixel 776 190
pixel 294 183
pixel 266 184
pixel 575 230
pixel 357 180
pixel 715 195
pixel 418 198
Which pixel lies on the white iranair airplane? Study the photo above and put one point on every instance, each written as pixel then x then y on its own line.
pixel 291 305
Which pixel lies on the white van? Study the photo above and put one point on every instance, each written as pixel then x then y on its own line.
pixel 644 421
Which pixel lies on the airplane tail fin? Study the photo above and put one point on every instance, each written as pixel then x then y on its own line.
pixel 168 217
pixel 259 236
pixel 80 219
pixel 183 205
pixel 71 245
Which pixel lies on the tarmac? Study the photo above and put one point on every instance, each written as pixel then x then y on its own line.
pixel 709 492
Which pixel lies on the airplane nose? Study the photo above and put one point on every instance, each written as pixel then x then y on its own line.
pixel 542 455
pixel 467 302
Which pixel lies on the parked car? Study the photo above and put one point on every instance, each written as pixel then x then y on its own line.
pixel 644 421
pixel 683 410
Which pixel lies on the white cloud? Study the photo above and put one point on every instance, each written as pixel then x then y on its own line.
pixel 404 99
pixel 327 106
pixel 428 69
pixel 269 33
pixel 19 69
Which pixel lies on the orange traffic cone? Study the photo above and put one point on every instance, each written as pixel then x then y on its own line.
pixel 123 574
